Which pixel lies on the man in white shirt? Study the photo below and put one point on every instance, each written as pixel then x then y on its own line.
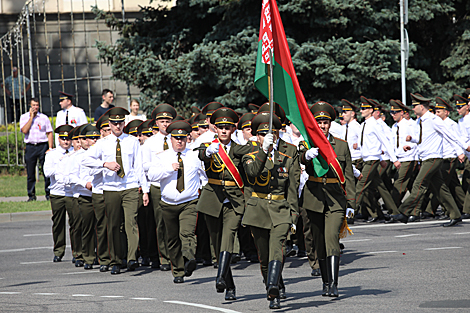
pixel 163 115
pixel 209 135
pixel 180 172
pixel 352 132
pixel 120 154
pixel 69 114
pixel 429 134
pixel 462 106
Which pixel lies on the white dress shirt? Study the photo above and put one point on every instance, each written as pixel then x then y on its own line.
pixel 464 131
pixel 151 147
pixel 354 136
pixel 130 118
pixel 52 170
pixel 80 175
pixel 373 139
pixel 163 172
pixel 104 150
pixel 448 150
pixel 76 117
pixel 434 130
pixel 404 129
pixel 337 130
pixel 208 136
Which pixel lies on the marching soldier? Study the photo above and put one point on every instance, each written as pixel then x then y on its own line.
pixel 209 134
pixel 273 206
pixel 58 190
pixel 429 133
pixel 222 198
pixel 462 105
pixel 180 173
pixel 145 130
pixel 132 127
pixel 325 200
pixel 120 154
pixel 163 115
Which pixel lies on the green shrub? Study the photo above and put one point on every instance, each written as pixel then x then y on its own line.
pixel 8 146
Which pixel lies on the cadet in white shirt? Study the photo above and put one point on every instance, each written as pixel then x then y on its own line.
pixel 120 154
pixel 429 134
pixel 58 190
pixel 462 105
pixel 69 114
pixel 180 173
pixel 163 115
pixel 352 132
pixel 208 136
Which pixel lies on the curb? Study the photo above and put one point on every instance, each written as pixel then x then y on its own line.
pixel 25 216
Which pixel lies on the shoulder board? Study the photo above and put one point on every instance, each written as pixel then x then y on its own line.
pixel 339 139
pixel 303 143
pixel 207 144
pixel 254 143
pixel 285 155
pixel 251 153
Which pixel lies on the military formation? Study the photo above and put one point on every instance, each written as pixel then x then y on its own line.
pixel 170 192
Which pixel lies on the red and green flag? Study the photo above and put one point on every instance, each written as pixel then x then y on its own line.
pixel 287 91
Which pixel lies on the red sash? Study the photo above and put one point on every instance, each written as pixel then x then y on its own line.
pixel 229 164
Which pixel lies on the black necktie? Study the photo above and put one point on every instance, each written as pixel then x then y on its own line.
pixel 180 179
pixel 346 137
pixel 120 173
pixel 420 131
pixel 398 136
pixel 66 151
pixel 362 133
pixel 165 144
pixel 67 117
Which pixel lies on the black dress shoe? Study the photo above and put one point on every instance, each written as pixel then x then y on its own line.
pixel 391 221
pixel 413 218
pixel 400 217
pixel 30 199
pixel 165 267
pixel 73 260
pixel 189 267
pixel 88 266
pixel 116 270
pixel 316 272
pixel 230 294
pixel 104 268
pixel 426 215
pixel 57 259
pixel 441 217
pixel 178 280
pixel 123 263
pixel 78 263
pixel 372 220
pixel 275 304
pixel 207 263
pixel 282 293
pixel 96 262
pixel 236 258
pixel 301 254
pixel 132 265
pixel 216 265
pixel 145 262
pixel 465 216
pixel 452 222
pixel 290 251
pixel 359 216
pixel 254 259
pixel 155 264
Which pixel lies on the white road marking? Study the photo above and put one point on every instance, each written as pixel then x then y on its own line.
pixel 112 296
pixel 377 252
pixel 82 295
pixel 403 236
pixel 402 224
pixel 24 249
pixel 143 298
pixel 355 240
pixel 74 273
pixel 45 293
pixel 33 235
pixel 443 248
pixel 203 306
pixel 9 293
pixel 37 262
pixel 462 233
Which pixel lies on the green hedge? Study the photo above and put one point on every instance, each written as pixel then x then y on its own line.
pixel 9 146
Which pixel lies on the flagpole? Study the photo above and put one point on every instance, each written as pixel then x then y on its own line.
pixel 271 91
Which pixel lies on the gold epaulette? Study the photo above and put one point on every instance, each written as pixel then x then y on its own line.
pixel 207 144
pixel 303 143
pixel 285 155
pixel 254 143
pixel 252 154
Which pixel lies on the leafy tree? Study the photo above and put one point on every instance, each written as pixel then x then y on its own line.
pixel 205 50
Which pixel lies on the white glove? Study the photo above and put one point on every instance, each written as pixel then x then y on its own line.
pixel 349 213
pixel 213 148
pixel 312 153
pixel 356 172
pixel 268 141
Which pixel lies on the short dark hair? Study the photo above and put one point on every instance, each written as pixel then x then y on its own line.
pixel 105 92
pixel 34 99
pixel 425 104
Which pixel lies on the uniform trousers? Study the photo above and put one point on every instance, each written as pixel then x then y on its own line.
pixel 429 175
pixel 59 207
pixel 325 228
pixel 147 231
pixel 32 155
pixel 466 187
pixel 155 194
pixel 99 209
pixel 309 243
pixel 270 244
pixel 122 206
pixel 180 224
pixel 400 185
pixel 204 247
pixel 369 173
pixel 75 227
pixel 88 229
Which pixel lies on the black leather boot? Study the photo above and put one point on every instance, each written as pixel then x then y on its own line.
pixel 230 291
pixel 333 273
pixel 324 277
pixel 274 272
pixel 224 263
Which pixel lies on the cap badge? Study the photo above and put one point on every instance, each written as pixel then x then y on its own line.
pixel 117 116
pixel 66 134
pixel 224 119
pixel 180 131
pixel 164 114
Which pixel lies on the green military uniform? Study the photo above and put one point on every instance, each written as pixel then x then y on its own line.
pixel 273 206
pixel 222 199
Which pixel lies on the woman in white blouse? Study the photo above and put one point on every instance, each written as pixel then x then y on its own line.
pixel 135 106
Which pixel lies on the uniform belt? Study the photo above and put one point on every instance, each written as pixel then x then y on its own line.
pixel 267 196
pixel 324 180
pixel 221 182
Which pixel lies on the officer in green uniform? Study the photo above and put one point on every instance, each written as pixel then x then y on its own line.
pixel 325 200
pixel 273 205
pixel 222 198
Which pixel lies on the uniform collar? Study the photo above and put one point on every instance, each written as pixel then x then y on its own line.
pixel 426 116
pixel 331 139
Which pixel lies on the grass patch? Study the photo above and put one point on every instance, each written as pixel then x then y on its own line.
pixel 15 186
pixel 14 207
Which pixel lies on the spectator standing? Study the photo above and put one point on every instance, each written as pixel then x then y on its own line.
pixel 69 114
pixel 135 106
pixel 108 98
pixel 38 138
pixel 16 87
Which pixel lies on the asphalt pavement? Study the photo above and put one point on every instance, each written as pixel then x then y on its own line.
pixel 419 267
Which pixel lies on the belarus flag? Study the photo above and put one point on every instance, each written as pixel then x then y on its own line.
pixel 287 91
